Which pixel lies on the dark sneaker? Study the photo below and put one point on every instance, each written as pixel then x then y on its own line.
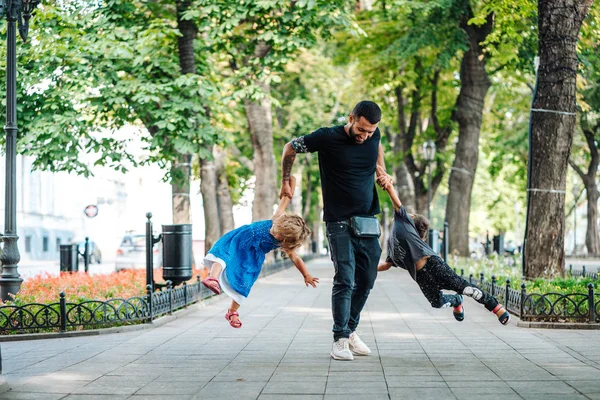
pixel 502 314
pixel 459 310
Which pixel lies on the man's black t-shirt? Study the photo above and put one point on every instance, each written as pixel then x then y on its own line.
pixel 347 171
pixel 405 246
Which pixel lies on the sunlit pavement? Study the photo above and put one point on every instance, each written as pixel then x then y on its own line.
pixel 282 352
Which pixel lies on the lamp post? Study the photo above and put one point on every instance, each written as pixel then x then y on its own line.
pixel 14 11
pixel 575 194
pixel 429 154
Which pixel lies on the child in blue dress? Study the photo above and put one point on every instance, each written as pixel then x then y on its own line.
pixel 237 257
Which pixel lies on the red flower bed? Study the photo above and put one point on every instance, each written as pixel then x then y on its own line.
pixel 79 286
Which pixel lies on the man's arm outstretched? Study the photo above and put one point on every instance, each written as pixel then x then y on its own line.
pixel 287 161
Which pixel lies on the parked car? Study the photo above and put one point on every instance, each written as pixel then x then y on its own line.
pixel 132 253
pixel 95 255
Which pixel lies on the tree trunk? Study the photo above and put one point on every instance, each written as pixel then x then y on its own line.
pixel 421 202
pixel 404 181
pixel 592 241
pixel 208 187
pixel 468 114
pixel 224 200
pixel 308 193
pixel 591 187
pixel 552 135
pixel 180 172
pixel 258 114
pixel 180 189
pixel 406 188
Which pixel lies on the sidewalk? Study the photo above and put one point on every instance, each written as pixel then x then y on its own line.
pixel 282 352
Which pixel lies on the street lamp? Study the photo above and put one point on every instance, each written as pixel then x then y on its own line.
pixel 14 11
pixel 575 194
pixel 429 154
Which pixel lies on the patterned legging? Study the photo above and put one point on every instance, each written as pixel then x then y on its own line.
pixel 437 275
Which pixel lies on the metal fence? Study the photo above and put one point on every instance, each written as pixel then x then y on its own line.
pixel 546 307
pixel 583 273
pixel 90 314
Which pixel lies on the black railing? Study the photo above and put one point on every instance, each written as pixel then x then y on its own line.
pixel 583 273
pixel 64 316
pixel 546 307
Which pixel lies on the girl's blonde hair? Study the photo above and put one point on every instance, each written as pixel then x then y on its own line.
pixel 291 230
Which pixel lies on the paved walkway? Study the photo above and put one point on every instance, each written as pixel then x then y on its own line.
pixel 282 352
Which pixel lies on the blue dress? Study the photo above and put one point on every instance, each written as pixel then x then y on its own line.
pixel 243 250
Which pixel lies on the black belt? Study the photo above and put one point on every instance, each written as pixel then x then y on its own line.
pixel 345 222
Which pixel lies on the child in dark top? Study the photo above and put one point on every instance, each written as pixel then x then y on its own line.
pixel 407 249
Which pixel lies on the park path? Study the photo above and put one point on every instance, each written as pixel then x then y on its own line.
pixel 282 352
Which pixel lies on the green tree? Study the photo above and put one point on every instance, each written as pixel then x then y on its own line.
pixel 259 38
pixel 552 127
pixel 313 92
pixel 56 126
pixel 410 75
pixel 147 69
pixel 94 68
pixel 589 124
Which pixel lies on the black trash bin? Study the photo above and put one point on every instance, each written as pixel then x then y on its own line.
pixel 499 244
pixel 177 253
pixel 69 258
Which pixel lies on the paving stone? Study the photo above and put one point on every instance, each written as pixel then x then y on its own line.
pixel 291 397
pixel 421 393
pixel 536 387
pixel 96 397
pixel 30 396
pixel 351 388
pixel 172 388
pixel 288 388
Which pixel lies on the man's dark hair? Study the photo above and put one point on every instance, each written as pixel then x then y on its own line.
pixel 368 109
pixel 422 225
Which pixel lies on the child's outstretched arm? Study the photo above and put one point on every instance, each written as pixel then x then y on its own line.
pixel 390 189
pixel 284 201
pixel 384 267
pixel 299 263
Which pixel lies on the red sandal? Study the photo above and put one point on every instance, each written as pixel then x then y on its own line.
pixel 212 284
pixel 236 323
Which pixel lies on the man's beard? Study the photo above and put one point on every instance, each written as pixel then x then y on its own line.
pixel 353 134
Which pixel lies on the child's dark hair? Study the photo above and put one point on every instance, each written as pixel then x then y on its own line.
pixel 422 225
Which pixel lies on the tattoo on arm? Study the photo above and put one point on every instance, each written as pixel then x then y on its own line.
pixel 288 161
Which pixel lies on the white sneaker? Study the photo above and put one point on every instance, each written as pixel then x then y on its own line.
pixel 357 346
pixel 473 292
pixel 340 350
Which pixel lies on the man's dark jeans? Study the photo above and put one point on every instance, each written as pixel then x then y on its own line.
pixel 355 261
